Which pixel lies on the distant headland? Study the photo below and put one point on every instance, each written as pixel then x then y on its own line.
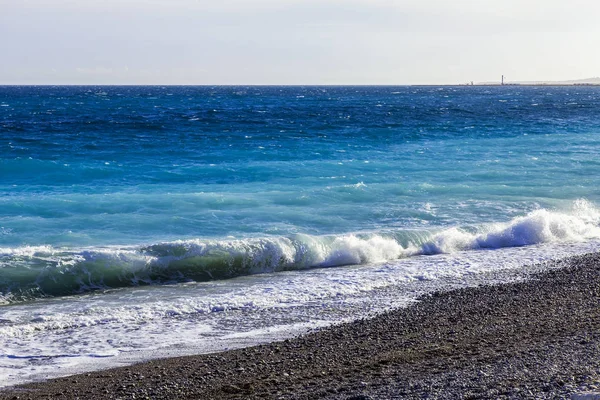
pixel 577 82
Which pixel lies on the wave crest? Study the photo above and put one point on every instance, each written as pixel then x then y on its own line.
pixel 540 226
pixel 28 272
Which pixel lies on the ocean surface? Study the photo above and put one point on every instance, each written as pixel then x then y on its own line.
pixel 140 222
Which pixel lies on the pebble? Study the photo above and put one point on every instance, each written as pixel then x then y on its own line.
pixel 538 339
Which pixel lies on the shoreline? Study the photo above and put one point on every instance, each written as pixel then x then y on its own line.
pixel 538 338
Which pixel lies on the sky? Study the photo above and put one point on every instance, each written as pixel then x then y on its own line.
pixel 297 42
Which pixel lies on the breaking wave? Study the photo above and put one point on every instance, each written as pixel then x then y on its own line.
pixel 30 272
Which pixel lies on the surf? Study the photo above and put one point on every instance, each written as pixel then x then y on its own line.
pixel 44 271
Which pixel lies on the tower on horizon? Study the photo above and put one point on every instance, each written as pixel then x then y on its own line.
pixel 502 83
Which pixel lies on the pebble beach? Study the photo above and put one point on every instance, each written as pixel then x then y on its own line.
pixel 537 338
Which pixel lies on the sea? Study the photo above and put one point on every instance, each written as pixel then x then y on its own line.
pixel 139 222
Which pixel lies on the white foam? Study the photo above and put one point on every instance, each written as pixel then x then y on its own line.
pixel 349 250
pixel 133 324
pixel 78 270
pixel 27 251
pixel 281 253
pixel 540 226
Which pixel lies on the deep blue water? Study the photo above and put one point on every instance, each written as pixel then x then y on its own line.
pixel 205 182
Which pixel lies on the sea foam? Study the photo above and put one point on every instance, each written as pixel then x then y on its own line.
pixel 28 272
pixel 540 226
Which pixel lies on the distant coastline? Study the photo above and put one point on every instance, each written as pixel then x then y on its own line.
pixel 578 82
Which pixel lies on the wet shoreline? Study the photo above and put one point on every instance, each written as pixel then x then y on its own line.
pixel 538 338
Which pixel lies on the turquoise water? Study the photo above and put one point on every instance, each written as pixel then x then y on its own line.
pixel 125 186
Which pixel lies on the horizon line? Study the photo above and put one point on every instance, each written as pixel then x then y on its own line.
pixel 487 84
